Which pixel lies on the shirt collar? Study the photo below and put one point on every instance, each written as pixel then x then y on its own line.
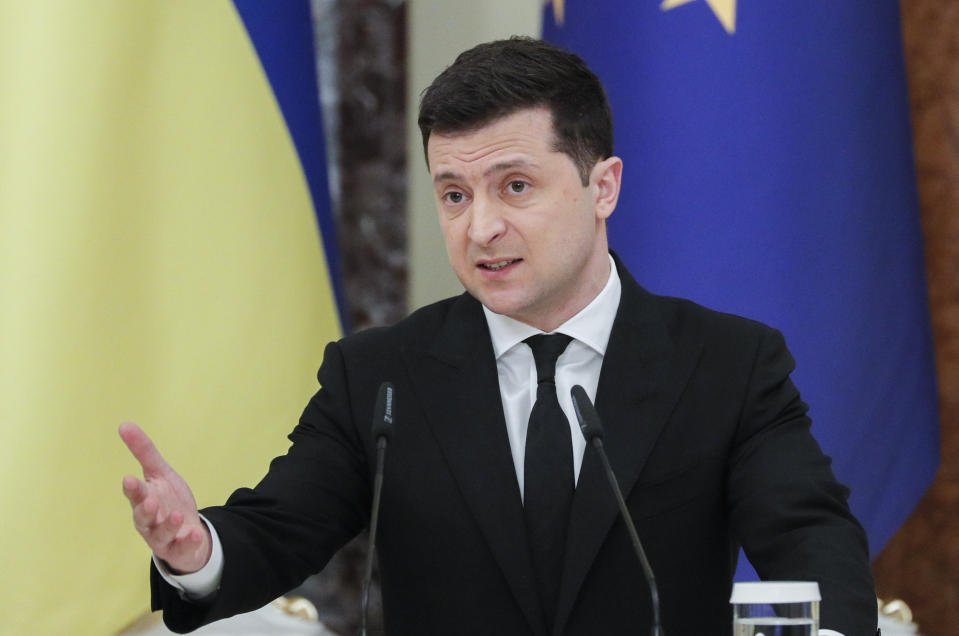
pixel 591 326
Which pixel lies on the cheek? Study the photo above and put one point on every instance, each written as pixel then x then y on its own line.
pixel 574 219
pixel 454 238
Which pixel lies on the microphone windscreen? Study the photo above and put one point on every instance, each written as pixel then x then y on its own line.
pixel 586 414
pixel 383 412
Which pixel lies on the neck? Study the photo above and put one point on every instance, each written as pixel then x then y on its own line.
pixel 559 315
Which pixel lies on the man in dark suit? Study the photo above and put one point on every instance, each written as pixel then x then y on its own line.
pixel 496 518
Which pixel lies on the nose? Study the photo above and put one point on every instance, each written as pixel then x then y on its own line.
pixel 486 221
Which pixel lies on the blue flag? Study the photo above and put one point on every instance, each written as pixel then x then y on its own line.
pixel 769 173
pixel 283 37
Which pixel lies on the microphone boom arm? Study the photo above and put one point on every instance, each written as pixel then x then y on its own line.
pixel 593 432
pixel 633 535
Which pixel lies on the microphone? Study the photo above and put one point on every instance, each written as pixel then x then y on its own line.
pixel 592 430
pixel 382 432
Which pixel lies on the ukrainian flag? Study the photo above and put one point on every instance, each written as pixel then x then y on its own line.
pixel 162 198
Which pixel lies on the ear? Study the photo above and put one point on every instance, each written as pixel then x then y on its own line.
pixel 605 180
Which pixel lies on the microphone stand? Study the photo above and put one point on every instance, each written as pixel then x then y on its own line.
pixel 374 522
pixel 592 430
pixel 382 431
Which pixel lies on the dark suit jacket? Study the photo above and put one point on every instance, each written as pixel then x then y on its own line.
pixel 706 433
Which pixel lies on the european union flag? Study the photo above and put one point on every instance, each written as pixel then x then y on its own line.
pixel 769 173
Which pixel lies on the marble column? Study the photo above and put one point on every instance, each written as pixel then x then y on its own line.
pixel 362 62
pixel 921 563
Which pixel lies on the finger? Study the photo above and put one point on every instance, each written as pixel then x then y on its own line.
pixel 143 449
pixel 188 535
pixel 186 550
pixel 159 530
pixel 188 541
pixel 199 539
pixel 146 516
pixel 134 489
pixel 166 534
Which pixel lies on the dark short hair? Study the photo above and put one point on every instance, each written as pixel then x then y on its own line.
pixel 496 79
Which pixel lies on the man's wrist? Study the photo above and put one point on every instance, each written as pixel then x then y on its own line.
pixel 204 582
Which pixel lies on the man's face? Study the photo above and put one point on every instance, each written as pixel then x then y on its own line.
pixel 523 234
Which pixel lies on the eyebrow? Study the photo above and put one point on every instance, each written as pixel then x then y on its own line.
pixel 496 167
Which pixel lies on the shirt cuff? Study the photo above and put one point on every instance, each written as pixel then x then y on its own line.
pixel 205 581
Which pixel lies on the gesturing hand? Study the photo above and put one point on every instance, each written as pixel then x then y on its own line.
pixel 164 510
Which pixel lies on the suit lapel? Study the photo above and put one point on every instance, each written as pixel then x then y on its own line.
pixel 642 377
pixel 457 384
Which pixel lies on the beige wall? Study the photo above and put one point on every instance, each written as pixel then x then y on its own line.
pixel 438 31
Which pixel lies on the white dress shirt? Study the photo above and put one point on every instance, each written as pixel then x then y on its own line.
pixel 579 364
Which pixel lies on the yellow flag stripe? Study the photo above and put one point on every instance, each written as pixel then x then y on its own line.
pixel 159 263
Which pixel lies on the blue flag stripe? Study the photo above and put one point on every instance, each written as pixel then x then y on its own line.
pixel 282 34
pixel 769 173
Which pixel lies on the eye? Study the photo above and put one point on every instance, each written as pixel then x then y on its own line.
pixel 517 187
pixel 453 197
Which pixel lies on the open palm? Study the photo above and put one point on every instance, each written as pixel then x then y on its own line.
pixel 164 510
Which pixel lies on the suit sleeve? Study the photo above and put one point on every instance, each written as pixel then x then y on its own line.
pixel 313 500
pixel 787 509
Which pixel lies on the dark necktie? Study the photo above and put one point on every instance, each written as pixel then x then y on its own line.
pixel 548 472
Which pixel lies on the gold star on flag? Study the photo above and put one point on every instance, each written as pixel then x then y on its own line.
pixel 725 11
pixel 558 10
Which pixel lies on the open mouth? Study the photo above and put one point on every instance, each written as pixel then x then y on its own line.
pixel 498 265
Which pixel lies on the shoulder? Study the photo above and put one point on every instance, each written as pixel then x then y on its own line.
pixel 728 343
pixel 355 366
pixel 683 315
pixel 683 320
pixel 418 330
